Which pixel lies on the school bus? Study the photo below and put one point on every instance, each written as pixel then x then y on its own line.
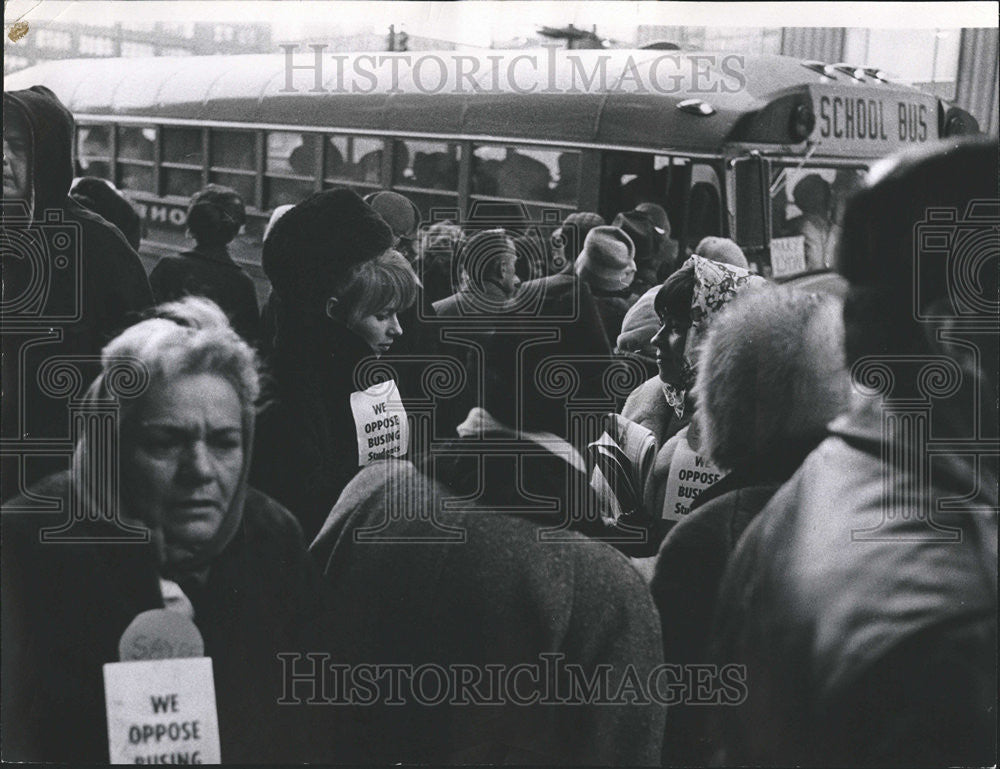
pixel 762 149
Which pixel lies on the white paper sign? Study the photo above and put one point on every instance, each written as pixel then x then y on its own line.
pixel 380 423
pixel 788 256
pixel 162 712
pixel 689 475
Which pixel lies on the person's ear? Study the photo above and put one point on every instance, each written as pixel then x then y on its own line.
pixel 332 307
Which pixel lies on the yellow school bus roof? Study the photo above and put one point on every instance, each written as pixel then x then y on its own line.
pixel 666 101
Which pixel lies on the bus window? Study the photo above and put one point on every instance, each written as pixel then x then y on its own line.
pixel 233 150
pixel 807 208
pixel 93 150
pixel 136 143
pixel 291 165
pixel 426 165
pixel 183 157
pixel 367 157
pixel 523 173
pixel 182 145
pixel 335 164
pixel 136 149
pixel 233 159
pixel 350 159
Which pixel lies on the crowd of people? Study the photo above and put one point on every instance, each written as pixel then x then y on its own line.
pixel 628 504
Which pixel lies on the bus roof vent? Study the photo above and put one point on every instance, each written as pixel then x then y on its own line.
pixel 696 107
pixel 823 69
pixel 876 74
pixel 855 73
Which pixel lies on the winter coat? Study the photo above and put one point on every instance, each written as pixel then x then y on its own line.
pixel 611 306
pixel 468 585
pixel 467 302
pixel 538 476
pixel 647 406
pixel 210 271
pixel 868 639
pixel 77 308
pixel 305 445
pixel 66 605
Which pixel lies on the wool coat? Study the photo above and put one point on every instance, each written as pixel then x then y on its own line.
pixel 415 581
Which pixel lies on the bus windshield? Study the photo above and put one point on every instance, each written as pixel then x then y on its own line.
pixel 807 209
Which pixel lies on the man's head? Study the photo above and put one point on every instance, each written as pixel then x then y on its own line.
pixel 17 181
pixel 489 258
pixel 569 237
pixel 812 195
pixel 38 148
pixel 215 215
pixel 399 213
pixel 920 240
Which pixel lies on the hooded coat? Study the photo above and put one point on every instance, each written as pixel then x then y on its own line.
pixel 253 589
pixel 414 593
pixel 102 289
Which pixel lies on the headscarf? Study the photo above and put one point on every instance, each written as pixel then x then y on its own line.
pixel 121 385
pixel 715 284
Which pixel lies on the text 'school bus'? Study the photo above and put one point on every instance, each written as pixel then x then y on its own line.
pixel 762 149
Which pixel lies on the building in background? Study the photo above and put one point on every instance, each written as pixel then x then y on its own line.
pixel 56 40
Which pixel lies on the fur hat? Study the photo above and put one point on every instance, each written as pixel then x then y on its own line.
pixel 772 375
pixel 310 249
pixel 879 250
pixel 276 214
pixel 399 212
pixel 607 261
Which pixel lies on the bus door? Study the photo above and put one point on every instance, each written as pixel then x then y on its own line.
pixel 688 189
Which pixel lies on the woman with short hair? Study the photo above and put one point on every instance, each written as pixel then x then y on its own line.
pixel 340 286
pixel 183 385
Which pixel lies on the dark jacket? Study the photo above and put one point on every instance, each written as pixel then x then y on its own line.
pixel 473 586
pixel 689 567
pixel 465 302
pixel 73 307
pixel 611 306
pixel 210 271
pixel 65 607
pixel 869 639
pixel 305 444
pixel 542 479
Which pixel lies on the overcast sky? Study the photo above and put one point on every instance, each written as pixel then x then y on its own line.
pixel 477 23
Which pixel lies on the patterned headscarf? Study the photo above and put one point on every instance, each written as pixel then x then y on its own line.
pixel 715 284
